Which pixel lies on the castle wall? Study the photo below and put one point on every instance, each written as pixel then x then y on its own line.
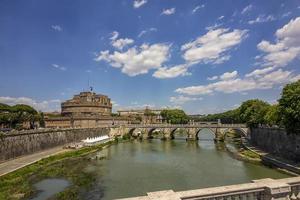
pixel 28 142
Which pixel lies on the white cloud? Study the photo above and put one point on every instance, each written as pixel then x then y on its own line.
pixel 122 42
pixel 179 100
pixel 57 28
pixel 296 78
pixel 213 46
pixel 259 72
pixel 247 9
pixel 114 35
pixel 213 27
pixel 286 48
pixel 139 3
pixel 172 72
pixel 286 14
pixel 59 67
pixel 229 75
pixel 143 32
pixel 50 105
pixel 212 78
pixel 235 84
pixel 221 17
pixel 119 43
pixel 169 11
pixel 262 19
pixel 197 8
pixel 137 60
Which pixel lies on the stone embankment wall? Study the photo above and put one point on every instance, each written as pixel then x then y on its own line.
pixel 277 142
pixel 22 143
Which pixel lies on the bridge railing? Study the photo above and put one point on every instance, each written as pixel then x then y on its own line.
pixel 288 188
pixel 185 125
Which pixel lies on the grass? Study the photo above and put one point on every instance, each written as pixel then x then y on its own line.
pixel 68 165
pixel 249 154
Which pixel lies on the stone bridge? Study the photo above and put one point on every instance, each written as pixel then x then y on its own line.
pixel 167 131
pixel 263 189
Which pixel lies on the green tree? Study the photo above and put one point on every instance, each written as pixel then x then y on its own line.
pixel 42 119
pixel 272 116
pixel 231 116
pixel 253 112
pixel 289 107
pixel 175 116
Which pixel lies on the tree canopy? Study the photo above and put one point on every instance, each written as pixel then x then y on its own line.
pixel 253 112
pixel 289 107
pixel 175 116
pixel 13 116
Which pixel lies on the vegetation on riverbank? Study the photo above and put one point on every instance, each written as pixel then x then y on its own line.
pixel 68 165
pixel 256 112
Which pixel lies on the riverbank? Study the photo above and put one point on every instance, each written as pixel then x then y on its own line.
pixel 272 161
pixel 17 163
pixel 248 153
pixel 68 165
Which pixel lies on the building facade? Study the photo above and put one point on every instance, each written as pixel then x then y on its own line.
pixel 87 104
pixel 146 116
pixel 85 110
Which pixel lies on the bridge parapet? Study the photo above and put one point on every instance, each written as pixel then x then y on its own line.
pixel 263 189
pixel 186 126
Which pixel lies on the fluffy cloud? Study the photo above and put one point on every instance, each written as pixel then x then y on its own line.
pixel 247 9
pixel 122 42
pixel 139 3
pixel 137 60
pixel 259 72
pixel 179 100
pixel 229 75
pixel 235 84
pixel 262 19
pixel 286 48
pixel 213 46
pixel 119 43
pixel 212 78
pixel 56 66
pixel 57 28
pixel 197 8
pixel 114 35
pixel 51 105
pixel 172 72
pixel 221 17
pixel 169 11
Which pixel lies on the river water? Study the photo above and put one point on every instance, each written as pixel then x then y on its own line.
pixel 137 167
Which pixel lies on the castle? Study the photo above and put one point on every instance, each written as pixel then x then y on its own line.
pixel 85 110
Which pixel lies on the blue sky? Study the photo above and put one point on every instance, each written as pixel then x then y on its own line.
pixel 204 56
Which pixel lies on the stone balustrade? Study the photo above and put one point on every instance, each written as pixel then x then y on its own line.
pixel 263 189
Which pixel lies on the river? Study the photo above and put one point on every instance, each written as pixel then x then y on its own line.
pixel 137 167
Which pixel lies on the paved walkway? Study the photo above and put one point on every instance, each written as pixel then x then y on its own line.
pixel 12 165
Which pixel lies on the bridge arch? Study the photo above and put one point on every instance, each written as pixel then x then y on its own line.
pixel 152 132
pixel 241 132
pixel 173 132
pixel 135 132
pixel 211 130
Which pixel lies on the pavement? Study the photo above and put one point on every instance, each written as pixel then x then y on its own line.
pixel 17 163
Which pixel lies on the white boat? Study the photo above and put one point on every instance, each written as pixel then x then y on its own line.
pixel 95 140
